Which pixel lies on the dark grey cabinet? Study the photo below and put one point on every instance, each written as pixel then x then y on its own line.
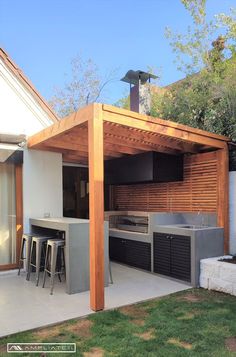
pixel 172 255
pixel 130 252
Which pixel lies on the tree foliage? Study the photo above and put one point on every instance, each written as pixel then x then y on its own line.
pixel 206 98
pixel 124 102
pixel 193 48
pixel 205 101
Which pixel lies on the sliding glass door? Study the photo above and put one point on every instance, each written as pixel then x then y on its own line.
pixel 8 246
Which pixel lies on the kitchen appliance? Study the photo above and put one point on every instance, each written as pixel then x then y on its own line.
pixel 129 223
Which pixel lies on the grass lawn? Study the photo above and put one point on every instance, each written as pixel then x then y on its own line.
pixel 195 322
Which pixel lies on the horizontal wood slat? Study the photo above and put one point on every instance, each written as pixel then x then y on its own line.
pixel 198 191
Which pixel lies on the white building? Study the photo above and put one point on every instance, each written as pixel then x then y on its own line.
pixel 23 112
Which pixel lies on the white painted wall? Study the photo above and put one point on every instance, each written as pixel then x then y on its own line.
pixel 42 185
pixel 20 113
pixel 232 212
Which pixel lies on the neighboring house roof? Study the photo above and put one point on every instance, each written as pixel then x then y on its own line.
pixel 27 83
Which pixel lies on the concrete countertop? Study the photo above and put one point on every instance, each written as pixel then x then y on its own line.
pixel 179 230
pixel 66 220
pixel 59 223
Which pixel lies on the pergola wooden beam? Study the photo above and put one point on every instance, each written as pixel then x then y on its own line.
pixel 166 123
pixel 67 145
pixel 70 147
pixel 157 126
pixel 131 143
pixel 114 150
pixel 150 142
pixel 61 127
pixel 164 144
pixel 96 209
pixel 126 145
pixel 76 159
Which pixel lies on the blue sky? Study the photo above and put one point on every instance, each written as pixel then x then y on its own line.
pixel 42 36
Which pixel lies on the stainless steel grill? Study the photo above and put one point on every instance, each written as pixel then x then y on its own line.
pixel 130 223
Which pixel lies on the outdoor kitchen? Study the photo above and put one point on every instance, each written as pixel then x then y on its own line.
pixel 170 244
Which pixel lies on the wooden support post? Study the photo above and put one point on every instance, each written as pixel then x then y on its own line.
pixel 223 194
pixel 96 208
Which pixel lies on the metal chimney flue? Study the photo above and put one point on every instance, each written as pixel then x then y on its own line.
pixel 140 92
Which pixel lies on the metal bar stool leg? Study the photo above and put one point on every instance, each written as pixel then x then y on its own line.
pixel 21 254
pixel 30 261
pixel 38 260
pixel 53 267
pixel 27 254
pixel 60 263
pixel 64 260
pixel 45 266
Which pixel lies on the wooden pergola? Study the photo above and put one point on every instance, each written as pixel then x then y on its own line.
pixel 101 132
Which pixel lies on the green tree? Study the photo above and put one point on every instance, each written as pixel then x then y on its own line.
pixel 124 102
pixel 193 49
pixel 206 98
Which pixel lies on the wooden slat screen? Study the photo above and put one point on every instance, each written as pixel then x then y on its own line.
pixel 198 191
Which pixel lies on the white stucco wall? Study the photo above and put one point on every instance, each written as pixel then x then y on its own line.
pixel 42 185
pixel 20 113
pixel 232 212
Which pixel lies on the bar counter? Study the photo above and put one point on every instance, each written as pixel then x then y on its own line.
pixel 76 248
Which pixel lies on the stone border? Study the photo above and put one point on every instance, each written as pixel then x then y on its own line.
pixel 219 276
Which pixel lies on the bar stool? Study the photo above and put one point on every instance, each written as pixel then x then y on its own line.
pixel 55 253
pixel 39 243
pixel 26 241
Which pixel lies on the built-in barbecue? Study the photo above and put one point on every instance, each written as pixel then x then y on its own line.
pixel 129 223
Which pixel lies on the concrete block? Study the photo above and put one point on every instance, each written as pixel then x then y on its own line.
pixel 234 289
pixel 220 285
pixel 228 272
pixel 210 269
pixel 204 281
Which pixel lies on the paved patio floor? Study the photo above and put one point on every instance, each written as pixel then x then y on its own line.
pixel 24 306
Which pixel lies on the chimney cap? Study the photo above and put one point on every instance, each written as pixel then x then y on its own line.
pixel 133 77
